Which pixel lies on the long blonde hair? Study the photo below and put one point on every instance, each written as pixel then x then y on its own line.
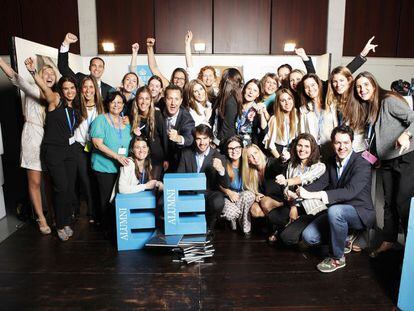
pixel 192 103
pixel 250 174
pixel 279 115
pixel 136 114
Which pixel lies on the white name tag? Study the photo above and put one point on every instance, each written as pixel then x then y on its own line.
pixel 71 140
pixel 122 151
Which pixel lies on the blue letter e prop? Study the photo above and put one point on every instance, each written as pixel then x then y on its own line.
pixel 135 219
pixel 184 213
pixel 406 294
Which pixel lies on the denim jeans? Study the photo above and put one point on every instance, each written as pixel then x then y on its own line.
pixel 337 221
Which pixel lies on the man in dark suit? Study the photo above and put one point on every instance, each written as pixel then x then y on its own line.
pixel 346 187
pixel 96 66
pixel 201 158
pixel 176 127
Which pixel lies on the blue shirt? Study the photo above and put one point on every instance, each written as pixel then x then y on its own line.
pixel 113 138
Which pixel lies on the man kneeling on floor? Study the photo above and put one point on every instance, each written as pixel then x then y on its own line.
pixel 347 190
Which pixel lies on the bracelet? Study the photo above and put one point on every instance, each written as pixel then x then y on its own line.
pixel 32 72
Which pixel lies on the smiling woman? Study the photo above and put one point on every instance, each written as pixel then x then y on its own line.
pixel 110 137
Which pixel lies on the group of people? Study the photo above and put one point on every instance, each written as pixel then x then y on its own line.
pixel 289 148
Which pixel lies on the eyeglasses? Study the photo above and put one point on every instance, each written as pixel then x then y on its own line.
pixel 238 148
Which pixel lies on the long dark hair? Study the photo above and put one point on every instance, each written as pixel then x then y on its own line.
pixel 229 167
pixel 304 98
pixel 230 85
pixel 147 161
pixel 97 97
pixel 136 114
pixel 76 105
pixel 314 156
pixel 357 112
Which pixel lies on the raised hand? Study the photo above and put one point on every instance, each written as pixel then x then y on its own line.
pixel 135 48
pixel 218 165
pixel 301 53
pixel 188 37
pixel 150 42
pixel 368 47
pixel 70 38
pixel 30 64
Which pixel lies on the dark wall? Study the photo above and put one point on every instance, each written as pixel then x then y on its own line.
pixel 242 26
pixel 302 22
pixel 391 21
pixel 42 21
pixel 124 22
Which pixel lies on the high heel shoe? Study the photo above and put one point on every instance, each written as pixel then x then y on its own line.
pixel 62 235
pixel 43 226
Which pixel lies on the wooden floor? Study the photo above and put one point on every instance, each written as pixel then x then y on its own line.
pixel 40 272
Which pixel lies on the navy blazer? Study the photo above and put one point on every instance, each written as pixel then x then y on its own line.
pixel 64 69
pixel 353 187
pixel 184 125
pixel 188 164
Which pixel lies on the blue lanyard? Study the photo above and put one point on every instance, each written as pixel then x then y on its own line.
pixel 69 122
pixel 90 119
pixel 320 123
pixel 119 124
pixel 143 177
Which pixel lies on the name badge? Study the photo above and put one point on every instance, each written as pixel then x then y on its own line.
pixel 71 140
pixel 369 157
pixel 122 151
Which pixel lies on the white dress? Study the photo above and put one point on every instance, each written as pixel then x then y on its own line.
pixel 32 134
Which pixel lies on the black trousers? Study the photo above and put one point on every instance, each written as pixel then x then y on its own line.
pixel 61 164
pixel 289 233
pixel 105 214
pixel 87 180
pixel 214 206
pixel 397 181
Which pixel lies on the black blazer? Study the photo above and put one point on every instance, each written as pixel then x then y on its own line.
pixel 184 125
pixel 188 164
pixel 353 187
pixel 64 69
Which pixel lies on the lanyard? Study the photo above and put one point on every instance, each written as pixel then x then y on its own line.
pixel 320 123
pixel 287 132
pixel 143 177
pixel 71 125
pixel 91 118
pixel 119 124
pixel 370 134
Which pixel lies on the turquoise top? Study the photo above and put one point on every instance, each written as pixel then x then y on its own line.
pixel 270 100
pixel 236 184
pixel 113 138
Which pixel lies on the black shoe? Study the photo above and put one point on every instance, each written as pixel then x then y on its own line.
pixel 247 235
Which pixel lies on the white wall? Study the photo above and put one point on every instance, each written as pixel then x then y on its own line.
pixel 386 70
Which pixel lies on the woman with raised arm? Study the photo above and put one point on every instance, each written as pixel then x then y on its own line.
pixel 251 120
pixel 259 175
pixel 58 147
pixel 179 77
pixel 283 125
pixel 198 104
pixel 110 138
pixel 303 169
pixel 389 123
pixel 91 107
pixel 32 134
pixel 144 124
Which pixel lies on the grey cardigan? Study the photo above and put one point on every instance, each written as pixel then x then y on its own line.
pixel 394 118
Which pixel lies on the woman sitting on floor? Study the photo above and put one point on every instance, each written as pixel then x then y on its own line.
pixel 304 168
